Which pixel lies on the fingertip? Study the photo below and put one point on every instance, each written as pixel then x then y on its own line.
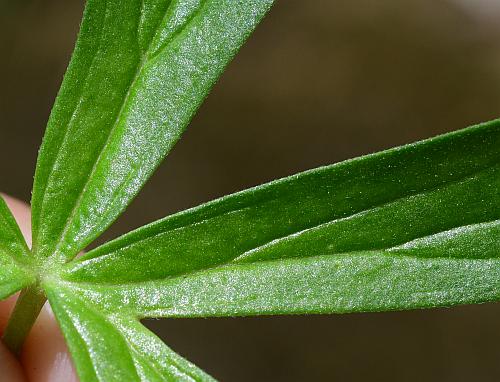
pixel 45 356
pixel 6 307
pixel 10 369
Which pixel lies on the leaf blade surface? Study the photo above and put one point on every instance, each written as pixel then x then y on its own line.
pixel 110 348
pixel 341 283
pixel 411 227
pixel 15 256
pixel 373 203
pixel 139 72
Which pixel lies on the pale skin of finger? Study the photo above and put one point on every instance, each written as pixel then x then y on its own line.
pixel 45 357
pixel 10 369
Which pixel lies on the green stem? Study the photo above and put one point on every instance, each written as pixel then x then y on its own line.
pixel 28 306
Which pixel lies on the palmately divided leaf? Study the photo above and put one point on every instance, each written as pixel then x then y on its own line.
pixel 14 255
pixel 435 198
pixel 140 70
pixel 109 348
pixel 411 227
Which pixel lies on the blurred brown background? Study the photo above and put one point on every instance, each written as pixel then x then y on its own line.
pixel 320 81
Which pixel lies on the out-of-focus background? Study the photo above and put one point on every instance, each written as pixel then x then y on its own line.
pixel 320 81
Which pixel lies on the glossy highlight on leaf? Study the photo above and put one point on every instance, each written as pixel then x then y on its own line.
pixel 139 72
pixel 412 227
pixel 343 283
pixel 416 226
pixel 418 193
pixel 111 348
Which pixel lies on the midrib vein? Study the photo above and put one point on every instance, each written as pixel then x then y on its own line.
pixel 144 60
pixel 369 210
pixel 35 238
pixel 234 261
pixel 316 225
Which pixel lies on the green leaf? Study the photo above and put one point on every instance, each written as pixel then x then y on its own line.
pixel 139 72
pixel 429 199
pixel 412 227
pixel 417 226
pixel 15 264
pixel 109 348
pixel 335 283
